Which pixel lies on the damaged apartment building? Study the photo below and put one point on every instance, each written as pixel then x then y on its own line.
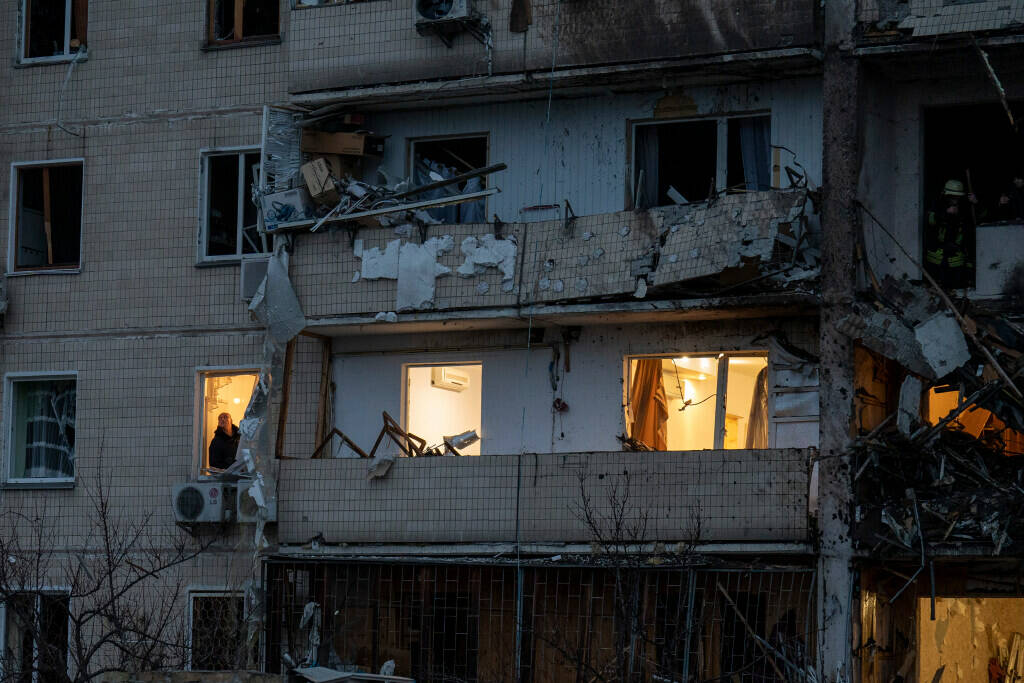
pixel 514 340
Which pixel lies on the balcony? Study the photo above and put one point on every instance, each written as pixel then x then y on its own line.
pixel 732 496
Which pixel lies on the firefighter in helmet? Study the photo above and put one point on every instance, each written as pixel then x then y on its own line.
pixel 949 243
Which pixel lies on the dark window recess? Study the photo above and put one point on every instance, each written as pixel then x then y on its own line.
pixel 49 217
pixel 433 159
pixel 972 148
pixel 679 155
pixel 54 27
pixel 748 166
pixel 231 219
pixel 232 21
pixel 218 636
pixel 37 638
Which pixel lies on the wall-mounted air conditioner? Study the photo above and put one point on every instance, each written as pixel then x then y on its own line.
pixel 430 11
pixel 248 511
pixel 253 270
pixel 449 379
pixel 203 502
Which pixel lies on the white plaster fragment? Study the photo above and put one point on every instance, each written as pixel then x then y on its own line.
pixel 379 264
pixel 549 265
pixel 403 230
pixel 482 287
pixel 587 236
pixel 417 271
pixel 641 288
pixel 624 230
pixel 582 260
pixel 910 405
pixel 355 278
pixel 557 285
pixel 599 252
pixel 544 284
pixel 386 317
pixel 942 343
pixel 357 248
pixel 581 284
pixel 695 253
pixel 673 258
pixel 674 228
pixel 488 252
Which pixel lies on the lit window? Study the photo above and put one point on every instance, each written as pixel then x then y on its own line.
pixel 230 221
pixel 35 637
pixel 443 404
pixel 440 159
pixel 48 226
pixel 42 424
pixel 53 28
pixel 690 159
pixel 225 396
pixel 698 402
pixel 217 632
pixel 233 21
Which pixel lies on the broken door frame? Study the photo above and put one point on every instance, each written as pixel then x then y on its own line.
pixel 14 209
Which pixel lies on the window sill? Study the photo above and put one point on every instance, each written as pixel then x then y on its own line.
pixel 225 261
pixel 46 271
pixel 49 61
pixel 327 3
pixel 251 42
pixel 26 484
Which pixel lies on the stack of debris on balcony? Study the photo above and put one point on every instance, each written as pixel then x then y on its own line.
pixel 922 18
pixel 944 471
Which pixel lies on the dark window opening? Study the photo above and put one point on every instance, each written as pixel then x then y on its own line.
pixel 231 218
pixel 232 21
pixel 36 635
pixel 54 28
pixel 218 633
pixel 435 160
pixel 49 222
pixel 967 150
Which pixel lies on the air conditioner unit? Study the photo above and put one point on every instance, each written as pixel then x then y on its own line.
pixel 449 379
pixel 248 512
pixel 254 269
pixel 203 502
pixel 431 11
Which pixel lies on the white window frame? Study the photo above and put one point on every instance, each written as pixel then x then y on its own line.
pixel 722 378
pixel 45 590
pixel 23 40
pixel 721 142
pixel 211 592
pixel 13 204
pixel 199 436
pixel 204 204
pixel 10 379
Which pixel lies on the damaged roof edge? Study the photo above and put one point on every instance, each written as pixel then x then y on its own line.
pixel 626 312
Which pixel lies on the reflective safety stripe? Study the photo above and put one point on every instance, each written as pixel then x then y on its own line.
pixel 934 256
pixel 957 260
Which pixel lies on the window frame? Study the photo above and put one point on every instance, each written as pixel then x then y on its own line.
pixel 404 421
pixel 722 382
pixel 410 154
pixel 9 481
pixel 194 592
pixel 37 593
pixel 14 211
pixel 202 258
pixel 721 149
pixel 199 445
pixel 237 39
pixel 23 38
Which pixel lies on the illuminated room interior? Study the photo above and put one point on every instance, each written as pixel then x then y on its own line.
pixel 228 393
pixel 444 401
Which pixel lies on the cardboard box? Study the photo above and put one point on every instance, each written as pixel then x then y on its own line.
pixel 287 206
pixel 319 176
pixel 355 144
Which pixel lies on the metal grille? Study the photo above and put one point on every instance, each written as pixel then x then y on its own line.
pixel 474 622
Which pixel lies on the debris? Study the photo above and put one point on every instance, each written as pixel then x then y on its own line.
pixel 641 288
pixel 675 196
pixel 418 270
pixel 386 317
pixel 910 405
pixel 275 303
pixel 487 252
pixel 286 206
pixel 624 230
pixel 557 286
pixel 587 236
pixel 581 284
pixel 355 277
pixel 482 287
pixel 942 343
pixel 380 466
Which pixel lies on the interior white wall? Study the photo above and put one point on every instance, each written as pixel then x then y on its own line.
pixel 580 153
pixel 434 413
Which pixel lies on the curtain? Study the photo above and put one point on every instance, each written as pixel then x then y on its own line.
pixel 48 411
pixel 757 424
pixel 473 212
pixel 754 146
pixel 80 17
pixel 424 166
pixel 646 161
pixel 648 405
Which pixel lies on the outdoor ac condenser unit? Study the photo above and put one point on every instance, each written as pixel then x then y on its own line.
pixel 254 269
pixel 430 11
pixel 248 512
pixel 203 502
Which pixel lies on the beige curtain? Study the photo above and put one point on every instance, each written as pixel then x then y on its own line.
pixel 80 16
pixel 757 422
pixel 648 405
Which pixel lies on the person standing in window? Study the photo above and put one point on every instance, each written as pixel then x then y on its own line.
pixel 224 444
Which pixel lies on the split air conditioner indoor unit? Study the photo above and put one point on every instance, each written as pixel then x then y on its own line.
pixel 203 502
pixel 430 11
pixel 449 379
pixel 248 511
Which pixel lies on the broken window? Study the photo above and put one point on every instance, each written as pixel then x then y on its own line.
pixel 53 28
pixel 443 405
pixel 440 159
pixel 688 161
pixel 225 396
pixel 967 150
pixel 42 424
pixel 231 225
pixel 233 21
pixel 35 637
pixel 48 228
pixel 976 421
pixel 217 632
pixel 698 402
